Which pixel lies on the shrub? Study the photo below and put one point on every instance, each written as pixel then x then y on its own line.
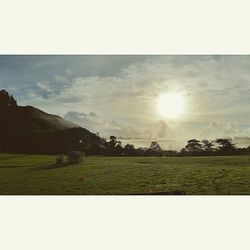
pixel 59 160
pixel 75 157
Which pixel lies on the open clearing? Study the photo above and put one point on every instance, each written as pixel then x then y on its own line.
pixel 36 174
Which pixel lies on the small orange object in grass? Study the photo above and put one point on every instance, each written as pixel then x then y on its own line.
pixel 82 178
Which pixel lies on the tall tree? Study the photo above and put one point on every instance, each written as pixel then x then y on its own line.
pixel 208 146
pixel 193 146
pixel 118 148
pixel 129 150
pixel 112 144
pixel 155 147
pixel 13 102
pixel 226 145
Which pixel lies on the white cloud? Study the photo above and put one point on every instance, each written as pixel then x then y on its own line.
pixel 44 86
pixel 217 130
pixel 215 88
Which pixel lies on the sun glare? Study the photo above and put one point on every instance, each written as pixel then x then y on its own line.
pixel 170 105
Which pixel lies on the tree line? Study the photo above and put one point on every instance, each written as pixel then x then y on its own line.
pixel 194 147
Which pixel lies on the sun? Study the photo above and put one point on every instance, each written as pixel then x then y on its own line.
pixel 170 105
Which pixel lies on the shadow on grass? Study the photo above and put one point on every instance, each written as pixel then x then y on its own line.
pixel 17 166
pixel 51 166
pixel 10 157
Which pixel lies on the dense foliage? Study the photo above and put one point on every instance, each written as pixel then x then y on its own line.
pixel 30 130
pixel 194 147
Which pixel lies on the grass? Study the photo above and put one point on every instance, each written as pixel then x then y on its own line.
pixel 35 174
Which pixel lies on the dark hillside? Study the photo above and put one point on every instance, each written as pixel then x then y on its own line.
pixel 30 130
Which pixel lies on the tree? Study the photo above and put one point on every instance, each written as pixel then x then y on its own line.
pixel 183 152
pixel 193 147
pixel 13 102
pixel 112 142
pixel 155 149
pixel 208 146
pixel 4 98
pixel 7 100
pixel 170 153
pixel 114 146
pixel 75 157
pixel 129 150
pixel 118 148
pixel 60 160
pixel 226 146
pixel 155 146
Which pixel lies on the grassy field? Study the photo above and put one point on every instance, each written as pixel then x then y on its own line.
pixel 35 174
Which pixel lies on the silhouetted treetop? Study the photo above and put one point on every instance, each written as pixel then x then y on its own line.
pixel 208 146
pixel 7 100
pixel 155 146
pixel 193 146
pixel 226 145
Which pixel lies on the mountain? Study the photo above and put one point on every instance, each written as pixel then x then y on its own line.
pixel 31 130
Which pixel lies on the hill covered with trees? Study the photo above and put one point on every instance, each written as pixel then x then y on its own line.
pixel 26 129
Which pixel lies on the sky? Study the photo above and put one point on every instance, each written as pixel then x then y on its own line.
pixel 117 95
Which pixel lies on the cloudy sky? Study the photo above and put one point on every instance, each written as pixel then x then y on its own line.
pixel 118 95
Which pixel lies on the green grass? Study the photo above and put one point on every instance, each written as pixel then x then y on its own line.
pixel 34 174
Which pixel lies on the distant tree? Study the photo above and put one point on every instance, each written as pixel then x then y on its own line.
pixel 75 157
pixel 59 160
pixel 13 102
pixel 242 151
pixel 155 146
pixel 4 98
pixel 141 151
pixel 170 153
pixel 183 152
pixel 155 149
pixel 112 142
pixel 226 146
pixel 129 150
pixel 208 146
pixel 118 150
pixel 114 146
pixel 193 147
pixel 7 100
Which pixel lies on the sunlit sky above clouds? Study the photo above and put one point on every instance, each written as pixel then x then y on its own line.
pixel 119 95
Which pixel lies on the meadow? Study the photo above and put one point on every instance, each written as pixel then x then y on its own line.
pixel 97 175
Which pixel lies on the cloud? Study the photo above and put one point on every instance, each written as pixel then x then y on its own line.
pixel 164 130
pixel 230 129
pixel 90 121
pixel 216 130
pixel 44 86
pixel 123 91
pixel 95 123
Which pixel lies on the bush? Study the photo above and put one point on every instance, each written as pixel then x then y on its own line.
pixel 75 157
pixel 59 160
